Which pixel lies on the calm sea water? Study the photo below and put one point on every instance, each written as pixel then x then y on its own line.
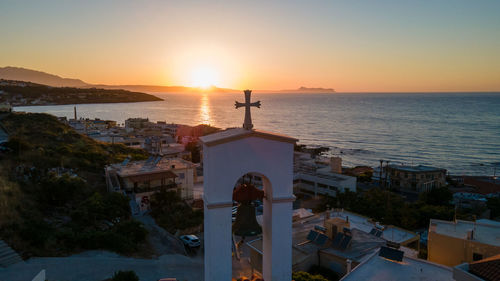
pixel 456 131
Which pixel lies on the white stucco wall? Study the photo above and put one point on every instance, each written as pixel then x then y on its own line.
pixel 224 164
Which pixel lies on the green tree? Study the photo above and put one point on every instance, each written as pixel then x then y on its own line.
pixel 494 205
pixel 438 196
pixel 304 276
pixel 194 148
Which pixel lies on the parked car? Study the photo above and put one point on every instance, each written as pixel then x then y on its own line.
pixel 191 241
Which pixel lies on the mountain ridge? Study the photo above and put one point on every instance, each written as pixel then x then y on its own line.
pixel 44 78
pixel 39 77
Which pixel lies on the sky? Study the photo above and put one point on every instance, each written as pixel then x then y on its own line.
pixel 351 46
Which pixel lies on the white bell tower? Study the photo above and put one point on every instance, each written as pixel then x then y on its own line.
pixel 227 156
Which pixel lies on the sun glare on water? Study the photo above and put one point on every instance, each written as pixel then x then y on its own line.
pixel 204 77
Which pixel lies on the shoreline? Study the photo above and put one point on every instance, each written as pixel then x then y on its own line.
pixel 53 104
pixel 362 129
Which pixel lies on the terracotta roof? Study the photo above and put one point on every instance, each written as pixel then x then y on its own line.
pixel 488 269
pixel 483 187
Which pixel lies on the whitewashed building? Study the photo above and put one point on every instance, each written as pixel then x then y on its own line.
pixel 313 178
pixel 142 178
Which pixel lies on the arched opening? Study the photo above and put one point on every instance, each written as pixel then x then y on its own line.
pixel 246 260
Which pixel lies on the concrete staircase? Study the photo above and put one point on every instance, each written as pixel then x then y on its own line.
pixel 7 255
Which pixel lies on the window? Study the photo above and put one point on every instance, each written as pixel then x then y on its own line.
pixel 476 256
pixel 181 176
pixel 322 185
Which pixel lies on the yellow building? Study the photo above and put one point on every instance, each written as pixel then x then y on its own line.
pixel 453 243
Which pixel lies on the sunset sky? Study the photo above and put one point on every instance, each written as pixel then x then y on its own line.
pixel 351 46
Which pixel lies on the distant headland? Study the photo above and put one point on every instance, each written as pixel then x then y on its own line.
pixel 21 93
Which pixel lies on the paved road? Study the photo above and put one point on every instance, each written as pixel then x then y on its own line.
pixel 97 265
pixel 163 242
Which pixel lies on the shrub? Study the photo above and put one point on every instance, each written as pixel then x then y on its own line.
pixel 133 229
pixel 171 213
pixel 324 272
pixel 304 276
pixel 125 276
pixel 58 190
pixel 36 231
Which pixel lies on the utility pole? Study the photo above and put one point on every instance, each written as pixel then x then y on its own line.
pixel 386 171
pixel 380 174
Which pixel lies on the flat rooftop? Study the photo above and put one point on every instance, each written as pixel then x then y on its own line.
pixel 150 166
pixel 416 169
pixel 378 268
pixel 390 233
pixel 486 233
pixel 361 245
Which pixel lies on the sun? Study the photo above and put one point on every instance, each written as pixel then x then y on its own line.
pixel 204 77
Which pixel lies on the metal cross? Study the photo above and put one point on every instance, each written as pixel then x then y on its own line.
pixel 248 117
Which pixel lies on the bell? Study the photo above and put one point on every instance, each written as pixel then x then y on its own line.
pixel 246 224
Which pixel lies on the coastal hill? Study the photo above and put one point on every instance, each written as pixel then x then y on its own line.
pixel 53 199
pixel 28 75
pixel 19 93
pixel 39 77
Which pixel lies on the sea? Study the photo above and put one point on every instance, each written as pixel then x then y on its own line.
pixel 456 131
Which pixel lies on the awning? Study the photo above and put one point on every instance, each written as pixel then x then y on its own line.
pixel 152 177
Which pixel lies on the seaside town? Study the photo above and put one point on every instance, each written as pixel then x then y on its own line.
pixel 445 228
pixel 283 140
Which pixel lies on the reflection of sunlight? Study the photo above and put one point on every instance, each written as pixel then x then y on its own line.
pixel 204 110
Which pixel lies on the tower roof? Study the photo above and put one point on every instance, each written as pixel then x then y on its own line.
pixel 240 133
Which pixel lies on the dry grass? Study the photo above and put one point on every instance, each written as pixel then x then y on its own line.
pixel 10 201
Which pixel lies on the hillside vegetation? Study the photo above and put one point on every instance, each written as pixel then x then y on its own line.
pixel 20 93
pixel 52 191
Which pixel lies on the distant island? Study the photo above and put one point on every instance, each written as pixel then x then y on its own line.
pixel 20 93
pixel 310 90
pixel 39 77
